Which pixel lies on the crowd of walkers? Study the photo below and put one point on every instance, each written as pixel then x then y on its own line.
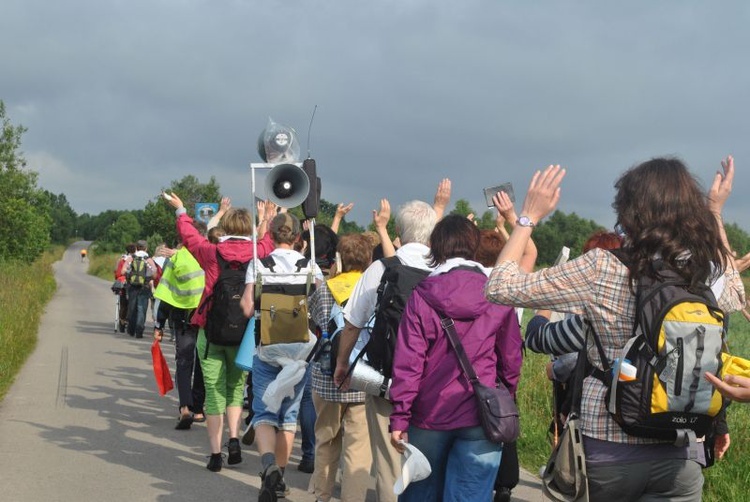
pixel 477 279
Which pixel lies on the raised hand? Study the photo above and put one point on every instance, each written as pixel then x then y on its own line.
pixel 544 193
pixel 174 201
pixel 380 218
pixel 442 197
pixel 342 210
pixel 721 186
pixel 225 204
pixel 505 210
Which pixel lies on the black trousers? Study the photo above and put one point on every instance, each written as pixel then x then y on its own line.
pixel 507 474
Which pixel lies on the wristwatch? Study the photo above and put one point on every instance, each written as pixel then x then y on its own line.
pixel 525 221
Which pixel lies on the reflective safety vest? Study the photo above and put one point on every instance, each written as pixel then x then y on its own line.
pixel 182 281
pixel 342 285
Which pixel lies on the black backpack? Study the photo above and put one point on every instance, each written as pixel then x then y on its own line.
pixel 395 288
pixel 225 322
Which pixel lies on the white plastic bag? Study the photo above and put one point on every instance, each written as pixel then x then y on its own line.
pixel 291 358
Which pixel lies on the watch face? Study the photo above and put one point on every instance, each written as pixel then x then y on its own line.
pixel 524 221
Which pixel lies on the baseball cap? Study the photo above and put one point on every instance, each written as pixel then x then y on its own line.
pixel 285 220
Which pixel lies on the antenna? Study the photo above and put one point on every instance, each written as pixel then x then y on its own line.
pixel 309 128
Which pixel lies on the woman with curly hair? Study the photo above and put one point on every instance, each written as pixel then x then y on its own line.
pixel 664 214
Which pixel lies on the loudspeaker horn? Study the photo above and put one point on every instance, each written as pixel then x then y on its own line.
pixel 287 185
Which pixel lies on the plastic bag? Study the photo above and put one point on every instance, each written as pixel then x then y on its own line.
pixel 161 369
pixel 291 358
pixel 278 144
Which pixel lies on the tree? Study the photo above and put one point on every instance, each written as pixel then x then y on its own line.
pixel 121 233
pixel 64 219
pixel 24 209
pixel 739 240
pixel 158 216
pixel 560 230
pixel 462 208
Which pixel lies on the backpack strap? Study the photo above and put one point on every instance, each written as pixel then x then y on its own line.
pixel 269 263
pixel 389 263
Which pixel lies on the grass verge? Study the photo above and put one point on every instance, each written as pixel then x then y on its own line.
pixel 103 265
pixel 25 290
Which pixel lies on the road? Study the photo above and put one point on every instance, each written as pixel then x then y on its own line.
pixel 83 420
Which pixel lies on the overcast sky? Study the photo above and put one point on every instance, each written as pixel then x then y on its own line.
pixel 121 98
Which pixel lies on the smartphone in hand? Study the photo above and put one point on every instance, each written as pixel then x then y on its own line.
pixel 490 192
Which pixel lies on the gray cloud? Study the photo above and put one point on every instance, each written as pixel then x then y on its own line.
pixel 121 98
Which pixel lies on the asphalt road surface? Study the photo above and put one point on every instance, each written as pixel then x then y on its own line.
pixel 84 421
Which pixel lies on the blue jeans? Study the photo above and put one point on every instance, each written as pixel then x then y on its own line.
pixel 464 465
pixel 286 418
pixel 307 417
pixel 138 298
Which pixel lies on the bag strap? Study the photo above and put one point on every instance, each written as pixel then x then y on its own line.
pixel 450 330
pixel 580 371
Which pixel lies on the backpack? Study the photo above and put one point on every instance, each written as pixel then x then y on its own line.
pixel 138 273
pixel 283 307
pixel 395 288
pixel 225 321
pixel 656 387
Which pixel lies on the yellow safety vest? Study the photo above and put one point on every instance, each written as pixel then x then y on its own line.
pixel 182 281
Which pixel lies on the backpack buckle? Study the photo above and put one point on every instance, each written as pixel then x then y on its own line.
pixel 272 312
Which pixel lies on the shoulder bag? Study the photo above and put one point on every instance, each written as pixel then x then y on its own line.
pixel 498 413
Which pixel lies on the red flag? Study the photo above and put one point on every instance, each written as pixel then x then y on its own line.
pixel 161 369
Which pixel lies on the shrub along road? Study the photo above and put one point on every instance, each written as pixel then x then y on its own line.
pixel 84 421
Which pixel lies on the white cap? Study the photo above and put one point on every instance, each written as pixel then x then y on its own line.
pixel 414 467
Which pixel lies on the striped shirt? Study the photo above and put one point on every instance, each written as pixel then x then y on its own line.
pixel 596 285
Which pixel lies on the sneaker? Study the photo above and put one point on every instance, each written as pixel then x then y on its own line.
pixel 249 436
pixel 215 462
pixel 502 495
pixel 306 465
pixel 235 453
pixel 281 489
pixel 270 479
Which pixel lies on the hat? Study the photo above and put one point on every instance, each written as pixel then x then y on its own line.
pixel 414 467
pixel 141 244
pixel 285 220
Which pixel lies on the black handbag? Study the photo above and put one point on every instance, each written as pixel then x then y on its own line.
pixel 497 410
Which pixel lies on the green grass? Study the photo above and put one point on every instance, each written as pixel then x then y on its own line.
pixel 103 265
pixel 25 290
pixel 727 480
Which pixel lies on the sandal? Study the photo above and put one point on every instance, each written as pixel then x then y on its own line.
pixel 199 418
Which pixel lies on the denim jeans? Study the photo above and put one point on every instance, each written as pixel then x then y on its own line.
pixel 286 418
pixel 464 465
pixel 138 298
pixel 307 417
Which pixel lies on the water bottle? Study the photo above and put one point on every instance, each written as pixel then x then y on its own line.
pixel 324 357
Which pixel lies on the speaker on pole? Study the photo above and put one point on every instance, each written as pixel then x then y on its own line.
pixel 311 203
pixel 287 185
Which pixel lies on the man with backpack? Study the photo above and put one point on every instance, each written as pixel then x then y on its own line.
pixel 414 223
pixel 139 278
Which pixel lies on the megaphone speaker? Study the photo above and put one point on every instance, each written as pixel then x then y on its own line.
pixel 287 185
pixel 312 202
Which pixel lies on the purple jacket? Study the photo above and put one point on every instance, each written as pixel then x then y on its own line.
pixel 429 389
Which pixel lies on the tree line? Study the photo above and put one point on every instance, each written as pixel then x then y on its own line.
pixel 32 218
